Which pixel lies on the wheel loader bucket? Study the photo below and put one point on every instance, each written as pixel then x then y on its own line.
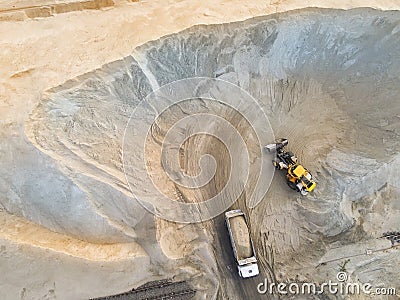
pixel 270 147
pixel 276 146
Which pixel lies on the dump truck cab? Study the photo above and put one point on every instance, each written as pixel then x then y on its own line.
pixel 249 270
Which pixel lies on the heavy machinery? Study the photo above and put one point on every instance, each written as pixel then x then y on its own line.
pixel 242 243
pixel 298 178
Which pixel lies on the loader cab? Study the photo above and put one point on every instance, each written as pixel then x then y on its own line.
pixel 296 171
pixel 299 175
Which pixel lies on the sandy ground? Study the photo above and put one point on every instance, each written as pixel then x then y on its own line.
pixel 38 54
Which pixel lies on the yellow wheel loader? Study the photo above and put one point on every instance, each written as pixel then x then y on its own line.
pixel 298 178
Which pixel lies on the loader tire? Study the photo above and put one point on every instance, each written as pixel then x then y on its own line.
pixel 276 164
pixel 292 185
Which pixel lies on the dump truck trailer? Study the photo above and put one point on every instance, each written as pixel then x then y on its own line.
pixel 242 244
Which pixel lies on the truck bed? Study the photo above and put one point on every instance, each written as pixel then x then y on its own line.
pixel 241 237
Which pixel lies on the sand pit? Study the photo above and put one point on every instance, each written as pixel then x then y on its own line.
pixel 325 78
pixel 328 81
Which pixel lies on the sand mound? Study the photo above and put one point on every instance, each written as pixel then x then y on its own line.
pixel 317 74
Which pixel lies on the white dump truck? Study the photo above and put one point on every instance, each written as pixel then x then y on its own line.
pixel 242 243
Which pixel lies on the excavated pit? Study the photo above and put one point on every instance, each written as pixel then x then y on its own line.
pixel 329 81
